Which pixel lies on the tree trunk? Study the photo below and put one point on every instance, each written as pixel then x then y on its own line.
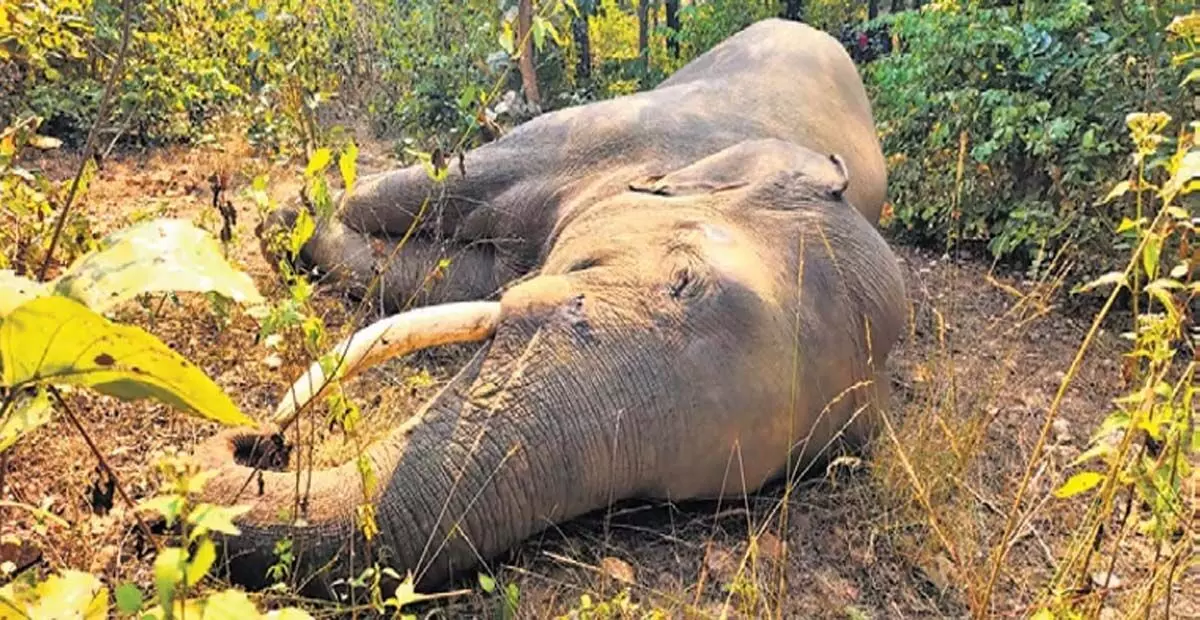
pixel 792 9
pixel 643 18
pixel 525 38
pixel 673 25
pixel 583 44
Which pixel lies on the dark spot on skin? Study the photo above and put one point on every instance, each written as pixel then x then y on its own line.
pixel 136 370
pixel 578 320
pixel 104 359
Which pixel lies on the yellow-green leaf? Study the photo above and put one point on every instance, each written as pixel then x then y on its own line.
pixel 229 605
pixel 203 560
pixel 57 340
pixel 1112 277
pixel 302 231
pixel 1118 190
pixel 1163 295
pixel 169 506
pixel 318 162
pixel 1151 253
pixel 209 518
pixel 1079 483
pixel 168 573
pixel 1181 181
pixel 347 163
pixel 154 256
pixel 1127 224
pixel 288 613
pixel 506 40
pixel 69 594
pixel 26 414
pixel 16 290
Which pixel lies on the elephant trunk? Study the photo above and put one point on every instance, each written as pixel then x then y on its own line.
pixel 475 470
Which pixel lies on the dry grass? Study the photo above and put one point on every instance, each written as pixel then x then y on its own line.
pixel 906 532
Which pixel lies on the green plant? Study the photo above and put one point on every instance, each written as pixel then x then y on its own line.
pixel 49 339
pixel 1000 129
pixel 1146 449
pixel 27 203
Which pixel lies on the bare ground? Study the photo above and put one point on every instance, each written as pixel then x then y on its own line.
pixel 973 379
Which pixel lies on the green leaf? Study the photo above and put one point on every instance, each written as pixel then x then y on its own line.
pixel 26 414
pixel 487 583
pixel 129 598
pixel 154 256
pixel 203 560
pixel 16 290
pixel 57 340
pixel 318 162
pixel 1079 483
pixel 347 163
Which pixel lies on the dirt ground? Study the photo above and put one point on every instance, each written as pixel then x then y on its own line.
pixel 972 379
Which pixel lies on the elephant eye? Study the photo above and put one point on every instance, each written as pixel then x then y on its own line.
pixel 686 284
pixel 582 264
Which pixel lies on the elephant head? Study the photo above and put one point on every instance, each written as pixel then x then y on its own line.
pixel 688 337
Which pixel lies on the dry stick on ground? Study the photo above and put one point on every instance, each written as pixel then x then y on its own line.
pixel 103 464
pixel 90 145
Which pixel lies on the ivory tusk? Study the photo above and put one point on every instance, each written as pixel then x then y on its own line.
pixel 394 336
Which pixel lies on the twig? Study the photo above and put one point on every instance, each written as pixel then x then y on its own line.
pixel 103 463
pixel 90 145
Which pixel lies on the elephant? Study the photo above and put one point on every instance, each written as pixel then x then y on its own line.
pixel 696 302
pixel 500 208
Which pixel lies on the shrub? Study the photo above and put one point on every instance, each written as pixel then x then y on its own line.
pixel 1001 130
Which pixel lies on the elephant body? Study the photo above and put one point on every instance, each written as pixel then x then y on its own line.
pixel 498 221
pixel 703 300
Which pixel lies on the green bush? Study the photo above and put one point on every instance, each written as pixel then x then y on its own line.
pixel 1002 130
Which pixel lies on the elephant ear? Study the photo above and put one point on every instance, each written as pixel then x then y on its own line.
pixel 751 163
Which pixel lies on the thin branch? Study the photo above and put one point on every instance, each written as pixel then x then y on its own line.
pixel 103 463
pixel 90 145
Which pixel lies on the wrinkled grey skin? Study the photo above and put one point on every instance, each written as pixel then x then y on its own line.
pixel 682 338
pixel 775 79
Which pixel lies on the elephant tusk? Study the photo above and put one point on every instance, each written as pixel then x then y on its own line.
pixel 394 336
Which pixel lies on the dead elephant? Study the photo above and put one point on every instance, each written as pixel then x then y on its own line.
pixel 701 299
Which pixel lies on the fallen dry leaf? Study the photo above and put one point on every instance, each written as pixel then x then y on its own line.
pixel 617 569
